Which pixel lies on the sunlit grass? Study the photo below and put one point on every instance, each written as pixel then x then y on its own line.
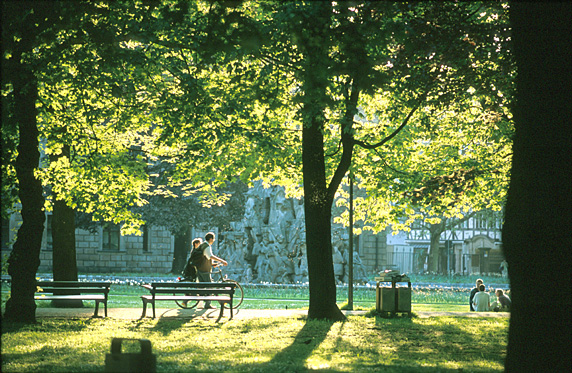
pixel 264 344
pixel 256 297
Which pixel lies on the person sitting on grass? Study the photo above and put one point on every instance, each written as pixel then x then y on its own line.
pixel 474 291
pixel 481 301
pixel 503 302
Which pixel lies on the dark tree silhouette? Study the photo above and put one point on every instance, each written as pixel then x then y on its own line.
pixel 537 228
pixel 25 256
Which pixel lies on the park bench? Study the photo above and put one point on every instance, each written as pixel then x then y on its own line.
pixel 221 292
pixel 74 290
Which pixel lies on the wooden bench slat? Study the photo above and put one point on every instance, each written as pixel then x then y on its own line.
pixel 193 291
pixel 78 290
pixel 74 284
pixel 187 297
pixel 81 297
pixel 195 285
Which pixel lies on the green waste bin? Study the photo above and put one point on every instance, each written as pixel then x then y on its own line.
pixel 393 299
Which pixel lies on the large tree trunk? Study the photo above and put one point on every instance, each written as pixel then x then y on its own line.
pixel 63 239
pixel 318 198
pixel 317 208
pixel 25 256
pixel 435 231
pixel 317 203
pixel 536 233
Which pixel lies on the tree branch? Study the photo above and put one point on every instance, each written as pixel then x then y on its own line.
pixel 388 138
pixel 347 140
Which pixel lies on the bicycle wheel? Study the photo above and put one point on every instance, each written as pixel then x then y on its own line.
pixel 238 295
pixel 187 305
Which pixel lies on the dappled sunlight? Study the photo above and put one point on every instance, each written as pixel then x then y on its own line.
pixel 267 344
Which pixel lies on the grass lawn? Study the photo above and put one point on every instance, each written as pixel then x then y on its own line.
pixel 128 296
pixel 439 344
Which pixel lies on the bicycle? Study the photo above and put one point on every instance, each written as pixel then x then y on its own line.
pixel 237 298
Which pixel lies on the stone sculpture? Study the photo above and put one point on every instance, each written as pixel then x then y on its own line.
pixel 269 244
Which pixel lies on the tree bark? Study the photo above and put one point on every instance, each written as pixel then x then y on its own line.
pixel 536 233
pixel 318 213
pixel 317 201
pixel 63 239
pixel 435 231
pixel 24 259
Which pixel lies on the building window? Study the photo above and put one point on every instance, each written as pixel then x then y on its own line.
pixel 146 237
pixel 111 237
pixel 481 221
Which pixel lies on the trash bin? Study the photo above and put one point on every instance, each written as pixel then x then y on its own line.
pixel 116 361
pixel 393 299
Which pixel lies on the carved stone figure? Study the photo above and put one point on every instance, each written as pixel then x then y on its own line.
pixel 269 245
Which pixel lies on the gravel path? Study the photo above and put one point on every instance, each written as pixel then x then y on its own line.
pixel 135 313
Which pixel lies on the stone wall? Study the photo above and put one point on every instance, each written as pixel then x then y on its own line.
pixel 131 256
pixel 267 245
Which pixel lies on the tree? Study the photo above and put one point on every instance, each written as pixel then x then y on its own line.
pixel 18 74
pixel 276 70
pixel 357 58
pixel 38 40
pixel 436 228
pixel 536 233
pixel 63 240
pixel 451 154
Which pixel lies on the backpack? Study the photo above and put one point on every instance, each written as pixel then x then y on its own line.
pixel 190 271
pixel 196 260
pixel 197 257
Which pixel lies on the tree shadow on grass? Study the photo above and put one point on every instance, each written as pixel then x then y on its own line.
pixel 446 340
pixel 166 326
pixel 175 319
pixel 293 358
pixel 69 324
pixel 397 334
pixel 52 359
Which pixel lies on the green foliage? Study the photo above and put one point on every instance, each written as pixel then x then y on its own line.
pixel 431 81
pixel 177 211
pixel 217 92
pixel 8 146
pixel 452 150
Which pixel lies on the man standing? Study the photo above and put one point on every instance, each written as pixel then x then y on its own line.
pixel 206 265
pixel 504 268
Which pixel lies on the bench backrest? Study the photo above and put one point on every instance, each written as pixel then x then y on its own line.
pixel 184 284
pixel 198 288
pixel 77 286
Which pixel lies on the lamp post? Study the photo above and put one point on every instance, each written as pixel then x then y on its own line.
pixel 351 248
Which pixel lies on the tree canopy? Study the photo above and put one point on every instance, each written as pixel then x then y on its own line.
pixel 411 96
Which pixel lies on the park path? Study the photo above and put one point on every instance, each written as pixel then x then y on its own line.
pixel 177 313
